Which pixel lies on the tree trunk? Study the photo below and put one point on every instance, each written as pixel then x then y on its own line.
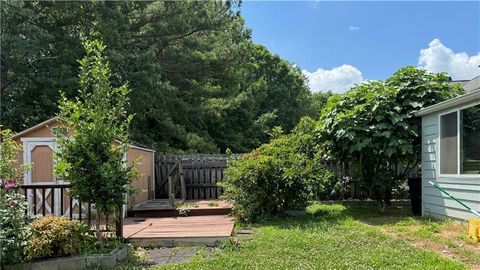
pixel 98 233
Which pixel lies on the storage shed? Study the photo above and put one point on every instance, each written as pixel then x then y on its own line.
pixel 38 148
pixel 451 154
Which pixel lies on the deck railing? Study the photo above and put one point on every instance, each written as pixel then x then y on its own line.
pixel 55 199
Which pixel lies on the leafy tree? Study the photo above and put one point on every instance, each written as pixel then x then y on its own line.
pixel 91 158
pixel 271 92
pixel 39 48
pixel 374 126
pixel 198 83
pixel 316 102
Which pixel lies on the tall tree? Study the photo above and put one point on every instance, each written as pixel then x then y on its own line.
pixel 374 126
pixel 193 70
pixel 271 92
pixel 91 157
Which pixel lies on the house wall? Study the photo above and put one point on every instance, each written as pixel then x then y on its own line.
pixel 465 188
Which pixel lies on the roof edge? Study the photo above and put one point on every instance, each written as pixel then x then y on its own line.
pixel 56 118
pixel 136 146
pixel 46 122
pixel 447 104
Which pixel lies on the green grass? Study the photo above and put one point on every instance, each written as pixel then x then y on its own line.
pixel 445 236
pixel 329 237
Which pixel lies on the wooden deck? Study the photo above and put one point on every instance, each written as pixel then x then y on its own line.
pixel 157 204
pixel 162 208
pixel 178 231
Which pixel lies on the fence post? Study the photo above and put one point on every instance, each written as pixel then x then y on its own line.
pixel 150 191
pixel 182 181
pixel 170 192
pixel 198 175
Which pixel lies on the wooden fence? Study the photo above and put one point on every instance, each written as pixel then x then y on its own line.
pixel 345 171
pixel 200 173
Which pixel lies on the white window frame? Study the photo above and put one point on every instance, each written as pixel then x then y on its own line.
pixel 439 163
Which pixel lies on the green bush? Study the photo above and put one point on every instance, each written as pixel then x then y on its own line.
pixel 58 237
pixel 13 221
pixel 279 176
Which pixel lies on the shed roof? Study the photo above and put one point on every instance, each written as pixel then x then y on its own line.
pixel 56 119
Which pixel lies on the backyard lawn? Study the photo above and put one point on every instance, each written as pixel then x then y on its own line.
pixel 346 237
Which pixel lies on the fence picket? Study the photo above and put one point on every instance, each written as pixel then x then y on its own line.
pixel 201 174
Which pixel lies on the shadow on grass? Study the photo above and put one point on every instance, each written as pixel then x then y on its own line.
pixel 319 214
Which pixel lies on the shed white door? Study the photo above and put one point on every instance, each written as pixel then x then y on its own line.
pixel 39 153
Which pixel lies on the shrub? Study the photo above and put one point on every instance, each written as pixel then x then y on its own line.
pixel 279 176
pixel 58 237
pixel 13 222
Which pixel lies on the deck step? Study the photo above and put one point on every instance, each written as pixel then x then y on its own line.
pixel 161 208
pixel 208 241
pixel 149 213
pixel 181 231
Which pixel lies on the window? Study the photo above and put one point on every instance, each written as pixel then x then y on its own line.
pixel 470 140
pixel 448 144
pixel 460 141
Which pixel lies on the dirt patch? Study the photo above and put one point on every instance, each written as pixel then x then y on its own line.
pixel 446 240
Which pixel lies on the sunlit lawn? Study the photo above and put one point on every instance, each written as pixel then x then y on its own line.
pixel 346 237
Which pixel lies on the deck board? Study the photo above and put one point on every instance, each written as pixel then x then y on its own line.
pixel 163 204
pixel 179 227
pixel 153 205
pixel 160 208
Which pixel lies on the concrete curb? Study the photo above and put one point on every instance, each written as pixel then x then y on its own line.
pixel 76 262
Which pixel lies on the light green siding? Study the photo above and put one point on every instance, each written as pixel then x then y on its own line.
pixel 465 188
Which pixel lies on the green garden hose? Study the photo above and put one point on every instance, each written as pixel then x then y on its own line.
pixel 457 200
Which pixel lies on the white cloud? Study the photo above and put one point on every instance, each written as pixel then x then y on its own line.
pixel 353 28
pixel 435 58
pixel 438 58
pixel 338 79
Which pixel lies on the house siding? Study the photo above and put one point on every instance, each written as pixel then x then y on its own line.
pixel 435 203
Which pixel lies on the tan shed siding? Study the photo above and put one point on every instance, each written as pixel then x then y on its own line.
pixel 145 166
pixel 435 203
pixel 44 131
pixel 42 164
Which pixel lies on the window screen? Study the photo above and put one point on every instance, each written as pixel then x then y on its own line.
pixel 470 140
pixel 448 144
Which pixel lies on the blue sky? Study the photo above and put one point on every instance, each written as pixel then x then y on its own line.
pixel 354 41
